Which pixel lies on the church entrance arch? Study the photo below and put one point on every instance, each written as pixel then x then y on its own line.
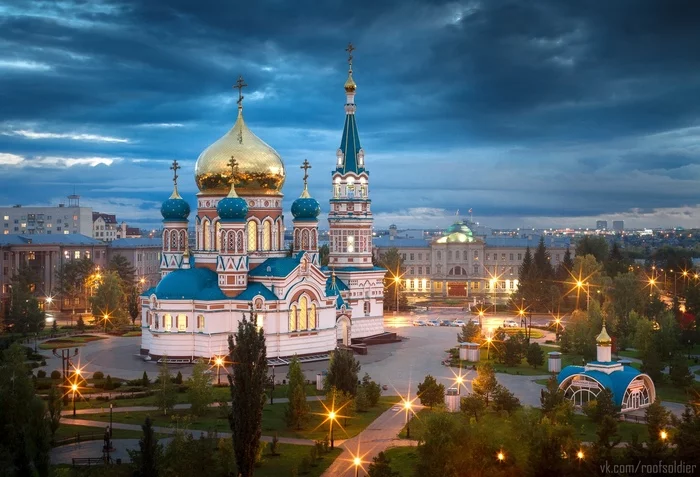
pixel 342 330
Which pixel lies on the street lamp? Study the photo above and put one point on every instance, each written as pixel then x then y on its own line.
pixel 663 435
pixel 481 316
pixel 219 361
pixel 272 392
pixel 489 339
pixel 459 380
pixel 500 456
pixel 74 388
pixel 331 418
pixel 111 405
pixel 357 462
pixel 407 407
pixel 105 317
pixel 397 283
pixel 580 285
pixel 493 283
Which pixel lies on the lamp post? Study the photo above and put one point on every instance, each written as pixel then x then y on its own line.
pixel 501 457
pixel 489 339
pixel 74 388
pixel 219 362
pixel 273 386
pixel 580 285
pixel 111 405
pixel 105 317
pixel 459 380
pixel 407 407
pixel 481 315
pixel 357 462
pixel 397 283
pixel 331 418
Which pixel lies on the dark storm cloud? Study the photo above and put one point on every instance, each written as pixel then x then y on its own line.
pixel 555 108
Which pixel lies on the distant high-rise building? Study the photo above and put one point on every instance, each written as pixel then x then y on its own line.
pixel 601 225
pixel 618 225
pixel 65 219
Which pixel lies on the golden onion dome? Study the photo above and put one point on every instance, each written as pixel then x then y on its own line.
pixel 260 169
pixel 604 338
pixel 350 85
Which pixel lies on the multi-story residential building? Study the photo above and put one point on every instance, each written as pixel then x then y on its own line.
pixel 45 254
pixel 618 225
pixel 601 225
pixel 144 256
pixel 104 226
pixel 459 264
pixel 64 219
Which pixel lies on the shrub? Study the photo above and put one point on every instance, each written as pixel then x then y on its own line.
pixel 305 465
pixel 178 378
pixel 274 445
pixel 41 373
pixel 313 456
pixel 55 374
pixel 108 384
pixel 80 324
pixel 98 375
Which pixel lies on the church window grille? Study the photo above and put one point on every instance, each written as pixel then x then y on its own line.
pixel 252 236
pixel 293 318
pixel 267 232
pixel 312 317
pixel 231 242
pixel 239 242
pixel 173 240
pixel 305 240
pixel 218 244
pixel 167 322
pixel 200 322
pixel 303 313
pixel 206 234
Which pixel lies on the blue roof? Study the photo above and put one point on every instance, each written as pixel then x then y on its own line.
pixel 385 242
pixel 255 289
pixel 350 146
pixel 522 242
pixel 48 239
pixel 190 284
pixel 359 269
pixel 617 381
pixel 141 242
pixel 334 286
pixel 277 267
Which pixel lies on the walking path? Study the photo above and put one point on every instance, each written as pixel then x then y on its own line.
pixel 378 436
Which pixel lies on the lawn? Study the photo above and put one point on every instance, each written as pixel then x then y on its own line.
pixel 403 460
pixel 524 368
pixel 629 354
pixel 93 433
pixel 69 341
pixel 273 420
pixel 221 393
pixel 129 334
pixel 668 392
pixel 282 465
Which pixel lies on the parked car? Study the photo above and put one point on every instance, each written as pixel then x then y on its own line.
pixel 458 323
pixel 510 324
pixel 475 321
pixel 445 323
pixel 419 323
pixel 433 323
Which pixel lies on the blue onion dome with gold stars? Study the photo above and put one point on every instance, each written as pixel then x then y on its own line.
pixel 306 207
pixel 232 208
pixel 175 209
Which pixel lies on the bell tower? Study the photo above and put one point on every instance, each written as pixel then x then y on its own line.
pixel 175 212
pixel 305 211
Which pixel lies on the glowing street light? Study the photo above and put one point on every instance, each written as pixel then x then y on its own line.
pixel 105 317
pixel 489 340
pixel 74 388
pixel 219 362
pixel 663 435
pixel 501 456
pixel 407 405
pixel 580 284
pixel 580 455
pixel 331 418
pixel 357 462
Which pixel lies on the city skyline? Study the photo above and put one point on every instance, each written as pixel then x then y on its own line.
pixel 543 115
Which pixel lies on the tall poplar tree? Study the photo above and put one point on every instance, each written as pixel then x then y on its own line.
pixel 297 409
pixel 247 384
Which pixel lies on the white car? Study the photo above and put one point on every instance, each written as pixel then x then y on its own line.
pixel 510 324
pixel 458 323
pixel 475 321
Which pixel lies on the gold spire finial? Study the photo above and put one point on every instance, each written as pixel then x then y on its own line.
pixel 306 166
pixel 233 163
pixel 174 168
pixel 350 85
pixel 604 339
pixel 240 84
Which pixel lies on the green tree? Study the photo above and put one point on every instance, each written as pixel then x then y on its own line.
pixel 247 383
pixel 504 400
pixel 551 397
pixel 686 437
pixel 472 405
pixel 323 254
pixel 512 350
pixel 109 301
pixel 133 304
pixel 543 274
pixel 595 245
pixel 25 315
pixel 361 400
pixel 615 263
pixel 200 391
pixel 526 280
pixel 24 420
pixel 54 406
pixel 652 365
pixel 342 372
pixel 373 390
pixel 535 355
pixel 679 372
pixel 145 382
pixel 392 261
pixel 627 295
pixel 643 337
pixel 164 392
pixel 122 267
pixel 484 384
pixel 430 392
pixel 658 419
pixel 470 333
pixel 72 277
pixel 441 436
pixel 147 459
pixel 607 439
pixel 297 411
pixel 381 467
pixel 604 406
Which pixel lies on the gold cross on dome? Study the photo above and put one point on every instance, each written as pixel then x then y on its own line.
pixel 174 168
pixel 350 49
pixel 240 84
pixel 306 166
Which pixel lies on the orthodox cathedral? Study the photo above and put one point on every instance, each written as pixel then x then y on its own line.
pixel 239 266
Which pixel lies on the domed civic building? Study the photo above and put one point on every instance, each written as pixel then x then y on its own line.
pixel 631 389
pixel 239 266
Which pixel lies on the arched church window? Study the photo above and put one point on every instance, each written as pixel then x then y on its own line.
pixel 231 242
pixel 303 313
pixel 173 240
pixel 314 240
pixel 366 307
pixel 280 235
pixel 267 235
pixel 183 240
pixel 218 235
pixel 293 318
pixel 239 242
pixel 206 234
pixel 312 317
pixel 252 236
pixel 305 239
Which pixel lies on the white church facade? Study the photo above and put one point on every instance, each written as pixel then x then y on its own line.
pixel 239 266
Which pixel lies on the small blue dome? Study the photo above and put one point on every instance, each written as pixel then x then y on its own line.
pixel 175 208
pixel 306 208
pixel 232 209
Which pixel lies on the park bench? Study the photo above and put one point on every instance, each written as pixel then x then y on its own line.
pixel 88 461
